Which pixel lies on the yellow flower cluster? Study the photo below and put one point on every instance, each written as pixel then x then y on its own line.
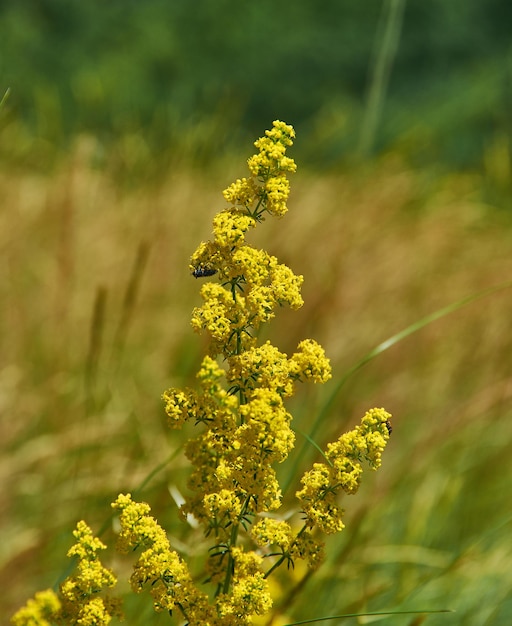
pixel 41 610
pixel 80 598
pixel 254 283
pixel 270 164
pixel 164 573
pixel 245 430
pixel 249 594
pixel 159 568
pixel 268 188
pixel 80 601
pixel 342 472
pixel 234 456
pixel 287 544
pixel 247 434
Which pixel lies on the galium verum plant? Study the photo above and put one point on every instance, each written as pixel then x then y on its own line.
pixel 244 427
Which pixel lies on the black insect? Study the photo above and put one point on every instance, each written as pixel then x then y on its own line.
pixel 389 427
pixel 201 272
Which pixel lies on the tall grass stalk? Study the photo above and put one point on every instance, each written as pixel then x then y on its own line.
pixel 96 337
pixel 129 301
pixel 387 42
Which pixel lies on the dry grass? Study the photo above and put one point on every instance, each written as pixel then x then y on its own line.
pixel 96 297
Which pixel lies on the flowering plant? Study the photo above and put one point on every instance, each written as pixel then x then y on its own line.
pixel 245 430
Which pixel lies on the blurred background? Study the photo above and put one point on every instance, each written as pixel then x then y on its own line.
pixel 355 78
pixel 122 124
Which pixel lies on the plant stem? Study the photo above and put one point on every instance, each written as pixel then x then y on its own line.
pixel 232 543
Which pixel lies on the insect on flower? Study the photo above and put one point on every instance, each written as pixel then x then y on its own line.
pixel 202 272
pixel 389 427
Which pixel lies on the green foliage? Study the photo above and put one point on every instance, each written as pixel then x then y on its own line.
pixel 161 68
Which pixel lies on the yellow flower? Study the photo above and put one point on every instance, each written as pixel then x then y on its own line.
pixel 254 265
pixel 307 548
pixel 286 287
pixel 246 428
pixel 159 568
pixel 321 485
pixel 244 431
pixel 235 459
pixel 180 406
pixel 265 430
pixel 277 190
pixel 209 255
pixel 94 613
pixel 250 593
pixel 39 611
pixel 366 441
pixel 80 599
pixel 87 545
pixel 262 367
pixel 318 499
pixel 243 192
pixel 268 531
pixel 223 506
pixel 229 228
pixel 79 602
pixel 271 159
pixel 310 362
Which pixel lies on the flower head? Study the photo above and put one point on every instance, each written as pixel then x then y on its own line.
pixel 343 470
pixel 80 592
pixel 226 316
pixel 250 594
pixel 159 568
pixel 80 600
pixel 42 610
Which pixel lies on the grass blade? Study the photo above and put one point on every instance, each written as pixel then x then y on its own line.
pixel 348 615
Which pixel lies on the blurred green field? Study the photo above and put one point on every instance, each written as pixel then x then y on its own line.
pixel 352 77
pixel 96 297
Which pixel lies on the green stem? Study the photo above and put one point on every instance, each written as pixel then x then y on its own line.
pixel 392 19
pixel 256 213
pixel 281 559
pixel 275 566
pixel 232 543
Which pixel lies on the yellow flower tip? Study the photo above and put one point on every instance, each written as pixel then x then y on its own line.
pixel 378 421
pixel 271 160
pixel 311 363
pixel 87 545
pixel 122 501
pixel 281 132
pixel 210 372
